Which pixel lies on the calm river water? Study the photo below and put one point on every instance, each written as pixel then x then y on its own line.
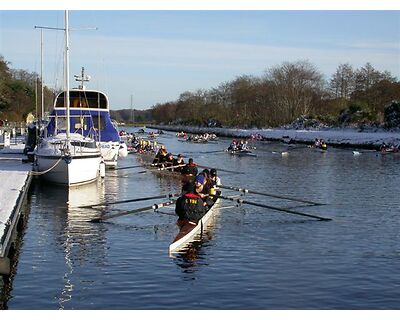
pixel 251 258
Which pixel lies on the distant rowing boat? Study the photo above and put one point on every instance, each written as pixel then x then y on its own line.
pixel 189 231
pixel 246 153
pixel 389 150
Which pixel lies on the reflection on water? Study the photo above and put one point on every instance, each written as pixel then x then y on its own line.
pixel 190 258
pixel 249 258
pixel 80 240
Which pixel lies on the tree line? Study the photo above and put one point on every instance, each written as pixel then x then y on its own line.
pixel 281 95
pixel 284 93
pixel 18 95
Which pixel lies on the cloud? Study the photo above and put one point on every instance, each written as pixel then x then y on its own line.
pixel 162 68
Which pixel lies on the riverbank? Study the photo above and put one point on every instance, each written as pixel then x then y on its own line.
pixel 350 138
pixel 15 181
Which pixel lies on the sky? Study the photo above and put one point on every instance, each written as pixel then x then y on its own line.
pixel 152 56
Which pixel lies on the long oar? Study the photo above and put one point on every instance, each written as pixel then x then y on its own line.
pixel 170 168
pixel 129 200
pixel 244 190
pixel 223 170
pixel 240 201
pixel 202 152
pixel 130 167
pixel 124 213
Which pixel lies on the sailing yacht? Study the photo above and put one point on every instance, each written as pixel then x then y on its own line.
pixel 90 108
pixel 63 157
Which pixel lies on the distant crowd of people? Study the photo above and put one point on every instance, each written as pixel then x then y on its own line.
pixel 205 137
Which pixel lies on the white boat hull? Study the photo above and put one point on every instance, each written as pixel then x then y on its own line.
pixel 81 166
pixel 81 170
pixel 110 152
pixel 186 238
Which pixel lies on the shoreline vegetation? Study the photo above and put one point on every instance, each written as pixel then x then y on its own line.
pixel 334 137
pixel 353 108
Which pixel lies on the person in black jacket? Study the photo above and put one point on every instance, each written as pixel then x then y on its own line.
pixel 160 157
pixel 190 206
pixel 179 162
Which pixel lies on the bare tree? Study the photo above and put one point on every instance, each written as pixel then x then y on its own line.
pixel 294 86
pixel 342 82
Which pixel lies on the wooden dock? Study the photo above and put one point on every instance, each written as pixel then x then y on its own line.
pixel 15 180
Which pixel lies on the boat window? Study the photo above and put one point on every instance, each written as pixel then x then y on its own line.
pixel 80 123
pixel 83 99
pixel 61 123
pixel 91 144
pixel 98 122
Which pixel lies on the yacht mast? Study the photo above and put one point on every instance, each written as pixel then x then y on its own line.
pixel 66 74
pixel 41 74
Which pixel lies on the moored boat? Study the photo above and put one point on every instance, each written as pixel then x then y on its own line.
pixel 67 155
pixel 90 115
pixel 72 161
pixel 189 230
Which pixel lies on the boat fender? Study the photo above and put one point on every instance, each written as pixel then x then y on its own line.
pixel 123 150
pixel 67 159
pixel 102 169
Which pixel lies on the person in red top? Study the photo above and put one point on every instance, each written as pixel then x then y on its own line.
pixel 189 171
pixel 189 206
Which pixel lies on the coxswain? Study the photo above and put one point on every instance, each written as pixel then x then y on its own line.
pixel 189 207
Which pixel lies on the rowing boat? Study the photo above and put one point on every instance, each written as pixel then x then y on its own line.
pixel 147 159
pixel 189 231
pixel 246 153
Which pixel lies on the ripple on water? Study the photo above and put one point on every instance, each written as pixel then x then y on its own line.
pixel 251 258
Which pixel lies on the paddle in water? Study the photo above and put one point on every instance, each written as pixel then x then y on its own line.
pixel 129 167
pixel 223 170
pixel 240 201
pixel 128 200
pixel 245 190
pixel 124 213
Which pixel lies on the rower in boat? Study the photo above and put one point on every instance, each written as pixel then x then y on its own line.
pixel 203 188
pixel 194 218
pixel 233 146
pixel 216 182
pixel 320 144
pixel 190 170
pixel 161 156
pixel 178 162
pixel 243 145
pixel 169 162
pixel 189 207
